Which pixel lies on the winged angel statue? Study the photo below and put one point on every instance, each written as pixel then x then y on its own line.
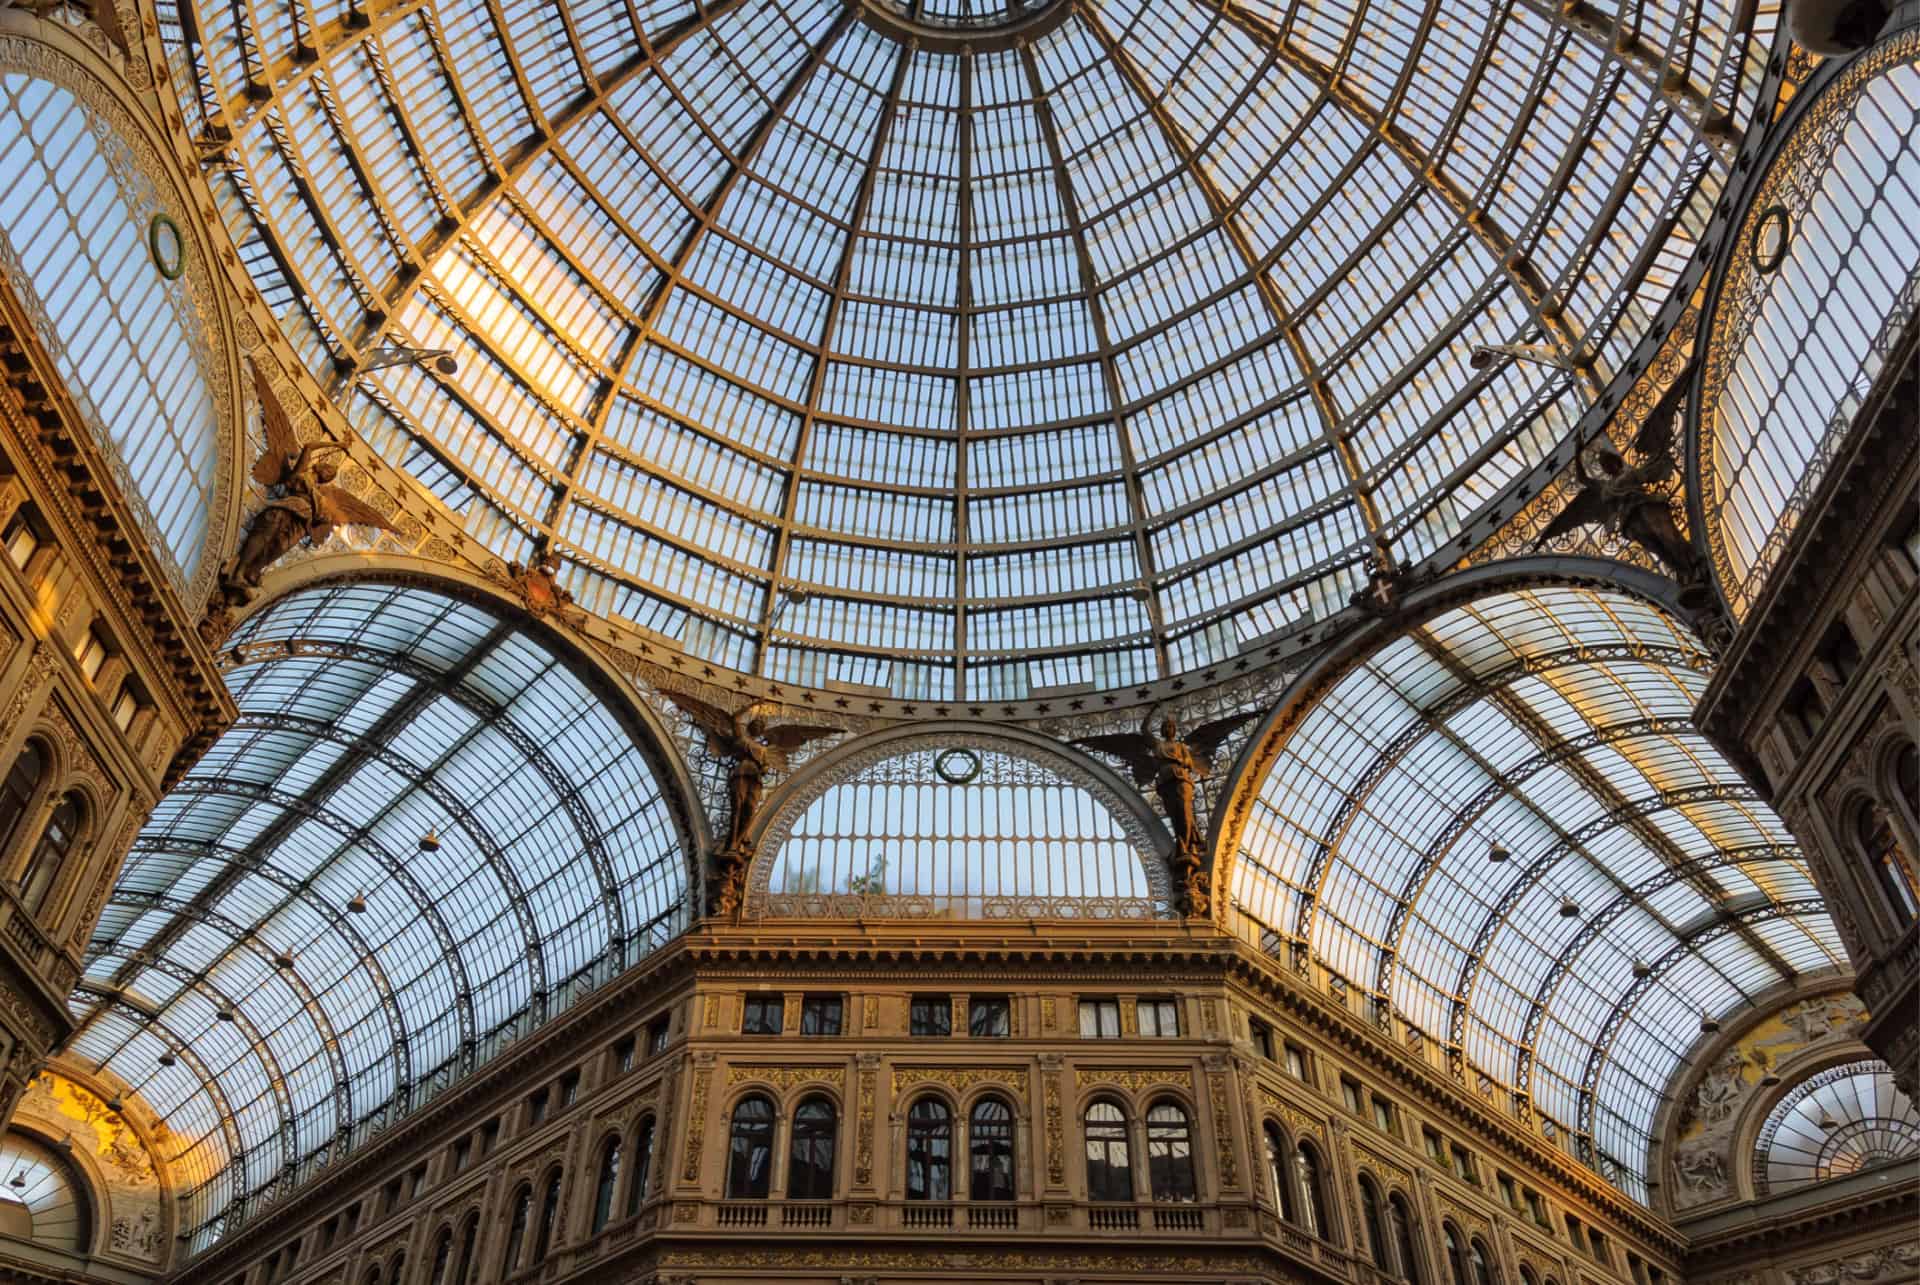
pixel 302 501
pixel 1173 765
pixel 752 748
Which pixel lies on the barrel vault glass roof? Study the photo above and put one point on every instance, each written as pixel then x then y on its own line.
pixel 1080 361
pixel 369 716
pixel 1645 885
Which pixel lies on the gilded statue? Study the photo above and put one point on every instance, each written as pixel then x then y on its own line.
pixel 751 747
pixel 1173 765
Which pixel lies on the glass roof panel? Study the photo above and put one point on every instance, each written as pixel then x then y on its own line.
pixel 423 833
pixel 1553 724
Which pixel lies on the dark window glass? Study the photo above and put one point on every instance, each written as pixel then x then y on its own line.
pixel 750 1150
pixel 810 1164
pixel 1376 1235
pixel 537 1108
pixel 642 1164
pixel 1456 1254
pixel 1405 1244
pixel 990 1150
pixel 820 1015
pixel 1100 1019
pixel 657 1036
pixel 1873 829
pixel 51 853
pixel 464 1272
pixel 16 791
pixel 929 1151
pixel 1109 1168
pixel 609 1177
pixel 1170 1153
pixel 1480 1262
pixel 930 1015
pixel 549 1214
pixel 569 1088
pixel 1312 1190
pixel 989 1017
pixel 763 1016
pixel 1262 1037
pixel 1277 1153
pixel 623 1055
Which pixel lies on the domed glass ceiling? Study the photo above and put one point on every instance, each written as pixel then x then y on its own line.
pixel 1094 352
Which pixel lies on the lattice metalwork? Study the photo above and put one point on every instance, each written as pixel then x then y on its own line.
pixel 1835 1123
pixel 1504 825
pixel 424 835
pixel 1092 355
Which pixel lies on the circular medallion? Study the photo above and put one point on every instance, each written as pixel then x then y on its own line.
pixel 166 247
pixel 1768 244
pixel 956 767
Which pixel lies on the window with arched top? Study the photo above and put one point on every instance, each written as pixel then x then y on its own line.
pixel 17 791
pixel 58 839
pixel 1109 1161
pixel 1170 1152
pixel 43 1198
pixel 642 1165
pixel 604 1183
pixel 811 1152
pixel 1480 1262
pixel 549 1218
pixel 1313 1190
pixel 1892 868
pixel 1375 1229
pixel 1406 1244
pixel 1277 1152
pixel 469 1237
pixel 1527 1277
pixel 1456 1254
pixel 442 1257
pixel 990 1150
pixel 929 1150
pixel 517 1230
pixel 750 1149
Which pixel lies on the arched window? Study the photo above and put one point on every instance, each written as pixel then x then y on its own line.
pixel 1527 1277
pixel 517 1230
pixel 1306 1161
pixel 929 1151
pixel 17 790
pixel 549 1215
pixel 442 1257
pixel 1277 1153
pixel 642 1165
pixel 1375 1231
pixel 43 1196
pixel 1480 1261
pixel 1406 1245
pixel 397 1272
pixel 1109 1167
pixel 990 1150
pixel 50 854
pixel 1456 1254
pixel 810 1159
pixel 750 1150
pixel 468 1235
pixel 1170 1152
pixel 603 1186
pixel 1873 831
pixel 373 1275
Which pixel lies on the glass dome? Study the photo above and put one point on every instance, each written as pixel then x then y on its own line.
pixel 1094 345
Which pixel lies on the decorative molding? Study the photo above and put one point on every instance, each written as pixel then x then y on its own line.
pixel 1131 1081
pixel 1224 1152
pixel 787 1077
pixel 959 1079
pixel 869 1086
pixel 696 1124
pixel 1054 1127
pixel 1292 1116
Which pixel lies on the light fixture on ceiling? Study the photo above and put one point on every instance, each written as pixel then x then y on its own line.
pixel 1497 854
pixel 1642 970
pixel 167 1059
pixel 358 905
pixel 1569 908
pixel 1768 1080
pixel 115 1105
pixel 429 842
pixel 19 1181
pixel 227 1015
pixel 283 961
pixel 1828 1123
pixel 1708 1023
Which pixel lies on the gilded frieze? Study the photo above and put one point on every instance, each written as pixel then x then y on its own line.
pixel 1055 1131
pixel 959 1079
pixel 1291 1115
pixel 696 1124
pixel 1133 1081
pixel 1223 1131
pixel 787 1077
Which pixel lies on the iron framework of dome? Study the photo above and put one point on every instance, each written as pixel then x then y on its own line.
pixel 1097 350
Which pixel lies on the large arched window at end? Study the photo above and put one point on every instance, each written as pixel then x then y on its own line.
pixel 1109 1162
pixel 55 847
pixel 1456 1254
pixel 1313 1189
pixel 517 1230
pixel 1375 1229
pixel 990 1150
pixel 18 789
pixel 1170 1152
pixel 1277 1152
pixel 750 1150
pixel 642 1165
pixel 1406 1244
pixel 929 1151
pixel 549 1218
pixel 42 1196
pixel 604 1183
pixel 810 1158
pixel 1892 867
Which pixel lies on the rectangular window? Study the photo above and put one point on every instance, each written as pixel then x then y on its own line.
pixel 1538 1208
pixel 1599 1247
pixel 623 1056
pixel 537 1108
pixel 569 1089
pixel 820 1015
pixel 1436 1150
pixel 328 1230
pixel 1655 1276
pixel 763 1015
pixel 417 1181
pixel 1383 1115
pixel 1637 1268
pixel 930 1015
pixel 1577 1233
pixel 489 1137
pixel 20 540
pixel 92 654
pixel 1262 1037
pixel 350 1221
pixel 462 1155
pixel 1508 1192
pixel 1350 1094
pixel 1297 1064
pixel 390 1196
pixel 1100 1019
pixel 1463 1165
pixel 989 1017
pixel 1159 1018
pixel 658 1034
pixel 125 706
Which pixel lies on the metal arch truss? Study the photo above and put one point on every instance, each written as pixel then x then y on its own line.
pixel 1602 1049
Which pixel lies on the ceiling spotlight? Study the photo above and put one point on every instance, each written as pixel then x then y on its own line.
pixel 167 1059
pixel 18 1181
pixel 1768 1080
pixel 283 961
pixel 1828 1123
pixel 1498 855
pixel 115 1104
pixel 358 906
pixel 1708 1024
pixel 227 1015
pixel 1569 908
pixel 1641 970
pixel 429 842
